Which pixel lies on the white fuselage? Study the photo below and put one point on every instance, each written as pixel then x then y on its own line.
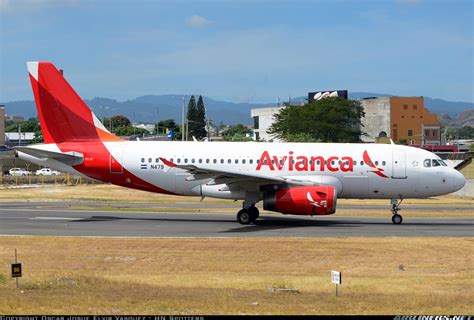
pixel 396 172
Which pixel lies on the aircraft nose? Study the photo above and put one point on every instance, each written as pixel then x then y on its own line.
pixel 458 180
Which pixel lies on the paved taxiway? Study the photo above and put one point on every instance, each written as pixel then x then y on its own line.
pixel 55 219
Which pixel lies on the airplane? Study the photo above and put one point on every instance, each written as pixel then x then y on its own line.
pixel 289 178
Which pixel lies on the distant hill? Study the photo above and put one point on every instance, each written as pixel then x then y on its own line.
pixel 149 108
pixel 465 118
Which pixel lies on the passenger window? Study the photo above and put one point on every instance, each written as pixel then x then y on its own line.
pixel 355 162
pixel 376 163
pixel 251 161
pixel 236 161
pixel 215 160
pixel 171 160
pixel 229 161
pixel 362 163
pixel 384 163
pixel 157 160
pixel 207 160
pixel 243 161
pixel 258 161
pixel 150 160
pixel 427 163
pixel 273 161
pixel 143 159
pixel 185 160
pixel 179 160
pixel 192 160
pixel 222 160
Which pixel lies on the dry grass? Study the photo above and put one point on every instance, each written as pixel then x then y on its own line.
pixel 232 276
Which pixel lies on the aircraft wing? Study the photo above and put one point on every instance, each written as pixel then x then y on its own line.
pixel 260 178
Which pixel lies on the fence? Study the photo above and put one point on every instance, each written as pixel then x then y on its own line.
pixel 64 179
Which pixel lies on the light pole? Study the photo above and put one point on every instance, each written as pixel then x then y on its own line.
pixel 157 119
pixel 183 121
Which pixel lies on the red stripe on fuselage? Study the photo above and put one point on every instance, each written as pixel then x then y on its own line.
pixel 97 165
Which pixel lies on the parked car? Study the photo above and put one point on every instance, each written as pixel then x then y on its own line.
pixel 47 172
pixel 5 148
pixel 19 172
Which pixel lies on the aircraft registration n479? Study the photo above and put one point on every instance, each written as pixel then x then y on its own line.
pixel 290 178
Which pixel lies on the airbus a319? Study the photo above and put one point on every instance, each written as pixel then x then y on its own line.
pixel 290 178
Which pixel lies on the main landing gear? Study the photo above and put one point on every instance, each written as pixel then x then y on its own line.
pixel 396 218
pixel 247 216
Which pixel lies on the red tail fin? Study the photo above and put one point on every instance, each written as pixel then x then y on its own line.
pixel 64 117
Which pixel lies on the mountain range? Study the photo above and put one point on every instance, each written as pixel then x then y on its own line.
pixel 150 108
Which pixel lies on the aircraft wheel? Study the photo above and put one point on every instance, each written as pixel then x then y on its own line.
pixel 254 213
pixel 244 217
pixel 397 219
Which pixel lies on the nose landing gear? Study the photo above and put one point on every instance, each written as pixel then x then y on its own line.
pixel 396 218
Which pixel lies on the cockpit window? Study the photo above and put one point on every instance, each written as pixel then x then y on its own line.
pixel 436 163
pixel 427 163
pixel 443 163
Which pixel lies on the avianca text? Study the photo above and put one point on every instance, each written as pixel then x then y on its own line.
pixel 292 162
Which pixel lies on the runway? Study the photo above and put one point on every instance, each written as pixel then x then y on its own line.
pixel 16 219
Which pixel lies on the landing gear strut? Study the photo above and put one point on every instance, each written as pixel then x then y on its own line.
pixel 396 218
pixel 247 216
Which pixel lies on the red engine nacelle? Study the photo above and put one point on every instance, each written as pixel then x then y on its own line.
pixel 318 200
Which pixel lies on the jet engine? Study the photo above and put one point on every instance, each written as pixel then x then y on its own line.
pixel 305 200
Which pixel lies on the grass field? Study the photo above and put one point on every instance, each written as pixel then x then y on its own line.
pixel 66 275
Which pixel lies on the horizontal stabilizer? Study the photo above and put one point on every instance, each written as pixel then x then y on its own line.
pixel 70 158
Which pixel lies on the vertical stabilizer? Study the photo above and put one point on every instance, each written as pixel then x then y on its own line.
pixel 63 115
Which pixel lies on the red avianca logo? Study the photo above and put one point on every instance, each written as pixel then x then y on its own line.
pixel 378 171
pixel 291 162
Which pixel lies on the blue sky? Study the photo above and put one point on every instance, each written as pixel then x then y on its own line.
pixel 242 51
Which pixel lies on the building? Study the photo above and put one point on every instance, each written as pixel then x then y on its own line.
pixel 18 138
pixel 400 118
pixel 2 125
pixel 14 119
pixel 262 121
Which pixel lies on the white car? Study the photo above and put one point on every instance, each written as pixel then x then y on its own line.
pixel 47 172
pixel 19 172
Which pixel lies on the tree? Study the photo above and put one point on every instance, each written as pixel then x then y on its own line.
pixel 191 116
pixel 327 120
pixel 196 118
pixel 466 132
pixel 32 125
pixel 238 132
pixel 171 125
pixel 130 130
pixel 200 121
pixel 119 121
